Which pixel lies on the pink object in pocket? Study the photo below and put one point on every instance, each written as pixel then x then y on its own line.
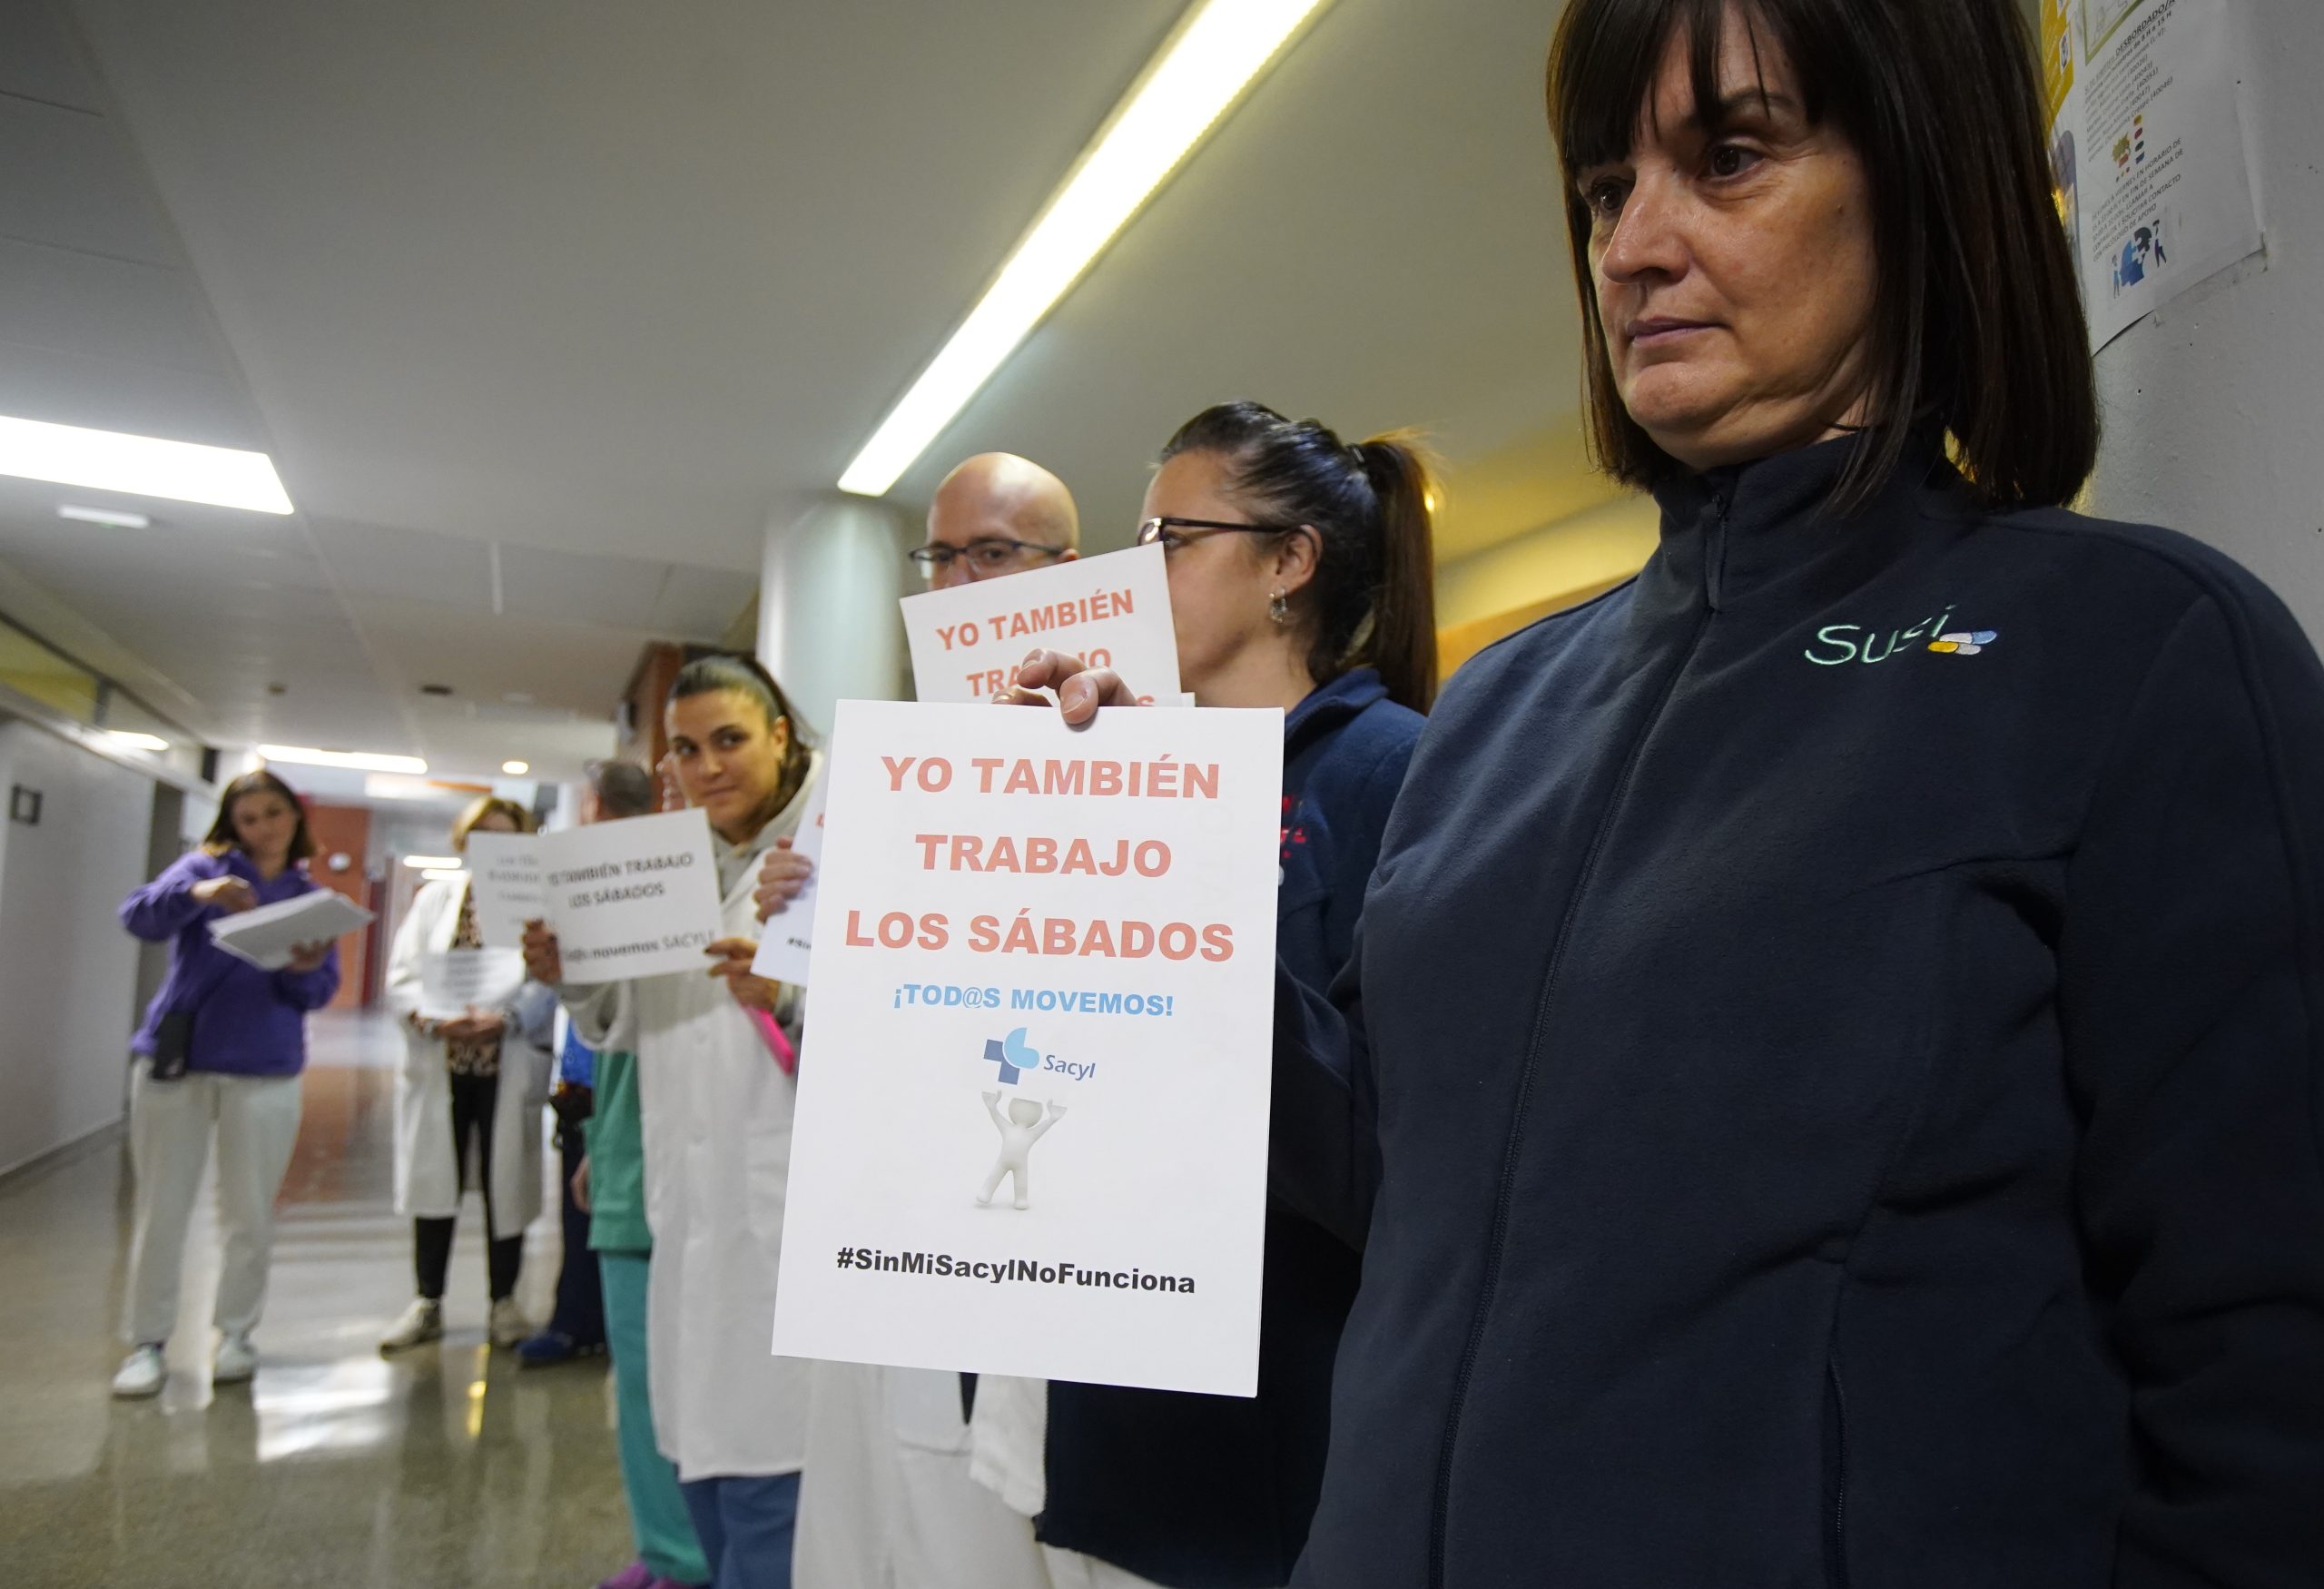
pixel 777 1044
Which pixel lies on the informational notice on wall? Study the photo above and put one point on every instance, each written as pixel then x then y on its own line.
pixel 453 982
pixel 1032 1118
pixel 788 940
pixel 2146 143
pixel 1112 611
pixel 505 879
pixel 635 898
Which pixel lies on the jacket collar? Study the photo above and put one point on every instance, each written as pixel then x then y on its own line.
pixel 1730 534
pixel 1329 705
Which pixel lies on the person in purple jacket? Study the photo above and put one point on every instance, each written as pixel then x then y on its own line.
pixel 243 1060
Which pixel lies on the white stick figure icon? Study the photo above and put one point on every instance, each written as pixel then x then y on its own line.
pixel 1023 1126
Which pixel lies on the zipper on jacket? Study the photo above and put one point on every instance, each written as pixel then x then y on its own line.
pixel 1714 553
pixel 1835 1434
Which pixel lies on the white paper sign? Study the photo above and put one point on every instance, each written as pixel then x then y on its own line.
pixel 1032 1121
pixel 505 881
pixel 452 981
pixel 635 898
pixel 1113 611
pixel 2147 142
pixel 267 935
pixel 789 936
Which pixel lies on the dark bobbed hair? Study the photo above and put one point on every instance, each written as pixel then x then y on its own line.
pixel 1976 321
pixel 221 837
pixel 746 676
pixel 1373 601
pixel 622 788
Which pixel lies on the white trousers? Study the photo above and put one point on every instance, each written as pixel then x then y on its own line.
pixel 256 1119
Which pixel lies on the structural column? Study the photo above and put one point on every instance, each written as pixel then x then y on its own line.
pixel 828 626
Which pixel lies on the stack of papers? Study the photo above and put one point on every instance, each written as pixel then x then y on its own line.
pixel 266 936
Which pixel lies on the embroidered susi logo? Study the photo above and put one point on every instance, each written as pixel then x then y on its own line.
pixel 1837 645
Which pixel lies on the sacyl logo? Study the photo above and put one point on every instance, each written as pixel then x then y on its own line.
pixel 1015 1056
pixel 1837 645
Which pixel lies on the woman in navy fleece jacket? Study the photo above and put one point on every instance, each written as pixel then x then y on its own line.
pixel 1829 1092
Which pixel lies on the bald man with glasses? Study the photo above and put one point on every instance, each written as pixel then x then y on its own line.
pixel 887 1501
pixel 996 515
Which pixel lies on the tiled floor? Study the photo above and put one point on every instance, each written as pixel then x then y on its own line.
pixel 336 1467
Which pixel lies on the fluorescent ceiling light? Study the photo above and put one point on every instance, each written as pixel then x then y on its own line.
pixel 1215 53
pixel 130 739
pixel 105 515
pixel 432 863
pixel 443 875
pixel 360 761
pixel 516 769
pixel 140 466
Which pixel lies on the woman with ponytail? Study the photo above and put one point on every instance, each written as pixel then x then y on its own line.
pixel 715 1092
pixel 1300 577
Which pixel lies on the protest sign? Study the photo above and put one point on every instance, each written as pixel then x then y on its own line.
pixel 635 898
pixel 452 981
pixel 1112 611
pixel 789 936
pixel 504 880
pixel 1032 1121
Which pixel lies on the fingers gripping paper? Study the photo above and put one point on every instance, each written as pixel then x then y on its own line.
pixel 1032 1120
pixel 788 942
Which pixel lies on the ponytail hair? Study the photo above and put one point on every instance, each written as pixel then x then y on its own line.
pixel 746 676
pixel 1372 599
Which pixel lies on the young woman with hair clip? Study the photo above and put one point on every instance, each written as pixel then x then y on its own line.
pixel 716 1103
pixel 221 1050
pixel 470 1091
pixel 1301 577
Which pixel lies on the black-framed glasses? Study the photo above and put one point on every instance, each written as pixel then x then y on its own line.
pixel 988 555
pixel 1168 532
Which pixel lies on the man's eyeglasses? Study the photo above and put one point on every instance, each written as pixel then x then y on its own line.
pixel 991 555
pixel 1170 534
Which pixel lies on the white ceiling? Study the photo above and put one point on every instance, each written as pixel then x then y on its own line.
pixel 615 285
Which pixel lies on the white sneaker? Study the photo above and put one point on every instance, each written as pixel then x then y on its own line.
pixel 237 1359
pixel 142 1373
pixel 508 1326
pixel 420 1323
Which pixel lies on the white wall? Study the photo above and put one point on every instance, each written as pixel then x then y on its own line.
pixel 68 973
pixel 2215 406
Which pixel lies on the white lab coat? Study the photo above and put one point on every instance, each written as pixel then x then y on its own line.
pixel 428 1178
pixel 888 1500
pixel 715 1112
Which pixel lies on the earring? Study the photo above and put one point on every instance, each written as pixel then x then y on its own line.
pixel 1279 607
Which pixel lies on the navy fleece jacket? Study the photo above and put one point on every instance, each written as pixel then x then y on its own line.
pixel 1214 1491
pixel 1829 1087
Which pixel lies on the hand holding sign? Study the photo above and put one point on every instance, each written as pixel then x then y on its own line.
pixel 783 873
pixel 786 893
pixel 1081 689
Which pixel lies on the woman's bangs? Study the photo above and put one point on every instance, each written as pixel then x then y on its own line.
pixel 1608 55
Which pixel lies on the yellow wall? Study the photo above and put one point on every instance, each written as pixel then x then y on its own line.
pixel 1495 592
